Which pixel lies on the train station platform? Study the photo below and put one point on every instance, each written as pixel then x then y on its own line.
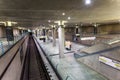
pixel 27 55
pixel 68 67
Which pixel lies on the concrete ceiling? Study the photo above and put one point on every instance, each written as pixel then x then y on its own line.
pixel 38 12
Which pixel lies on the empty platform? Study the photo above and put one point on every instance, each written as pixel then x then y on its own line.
pixel 68 67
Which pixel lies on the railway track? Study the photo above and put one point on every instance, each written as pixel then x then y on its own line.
pixel 34 68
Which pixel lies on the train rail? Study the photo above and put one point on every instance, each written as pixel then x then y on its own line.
pixel 34 68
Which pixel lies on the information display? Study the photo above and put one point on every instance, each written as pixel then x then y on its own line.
pixel 110 62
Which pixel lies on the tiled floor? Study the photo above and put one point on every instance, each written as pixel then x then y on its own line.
pixel 68 67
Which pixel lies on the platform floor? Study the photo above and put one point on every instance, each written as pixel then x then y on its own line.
pixel 68 67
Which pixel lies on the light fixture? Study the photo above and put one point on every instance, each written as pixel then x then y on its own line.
pixel 87 2
pixel 49 21
pixel 69 18
pixel 63 14
pixel 60 22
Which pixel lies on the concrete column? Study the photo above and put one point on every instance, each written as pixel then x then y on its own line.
pixel 39 33
pixel 36 33
pixel 81 30
pixel 47 35
pixel 61 37
pixel 1 34
pixel 3 31
pixel 95 29
pixel 76 29
pixel 54 37
pixel 44 32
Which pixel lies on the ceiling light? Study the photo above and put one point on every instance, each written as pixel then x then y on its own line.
pixel 87 2
pixel 63 14
pixel 49 21
pixel 69 18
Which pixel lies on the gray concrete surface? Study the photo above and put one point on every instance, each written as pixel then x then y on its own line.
pixel 68 67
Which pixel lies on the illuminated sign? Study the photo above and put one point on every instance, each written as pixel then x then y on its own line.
pixel 110 62
pixel 88 38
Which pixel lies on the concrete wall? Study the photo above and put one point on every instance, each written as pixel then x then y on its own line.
pixel 114 28
pixel 69 32
pixel 2 31
pixel 108 71
pixel 103 29
pixel 16 32
pixel 89 29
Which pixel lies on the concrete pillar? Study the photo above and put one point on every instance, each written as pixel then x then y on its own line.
pixel 81 30
pixel 77 29
pixel 61 37
pixel 54 36
pixel 36 33
pixel 9 31
pixel 2 31
pixel 47 35
pixel 39 32
pixel 44 33
pixel 95 29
